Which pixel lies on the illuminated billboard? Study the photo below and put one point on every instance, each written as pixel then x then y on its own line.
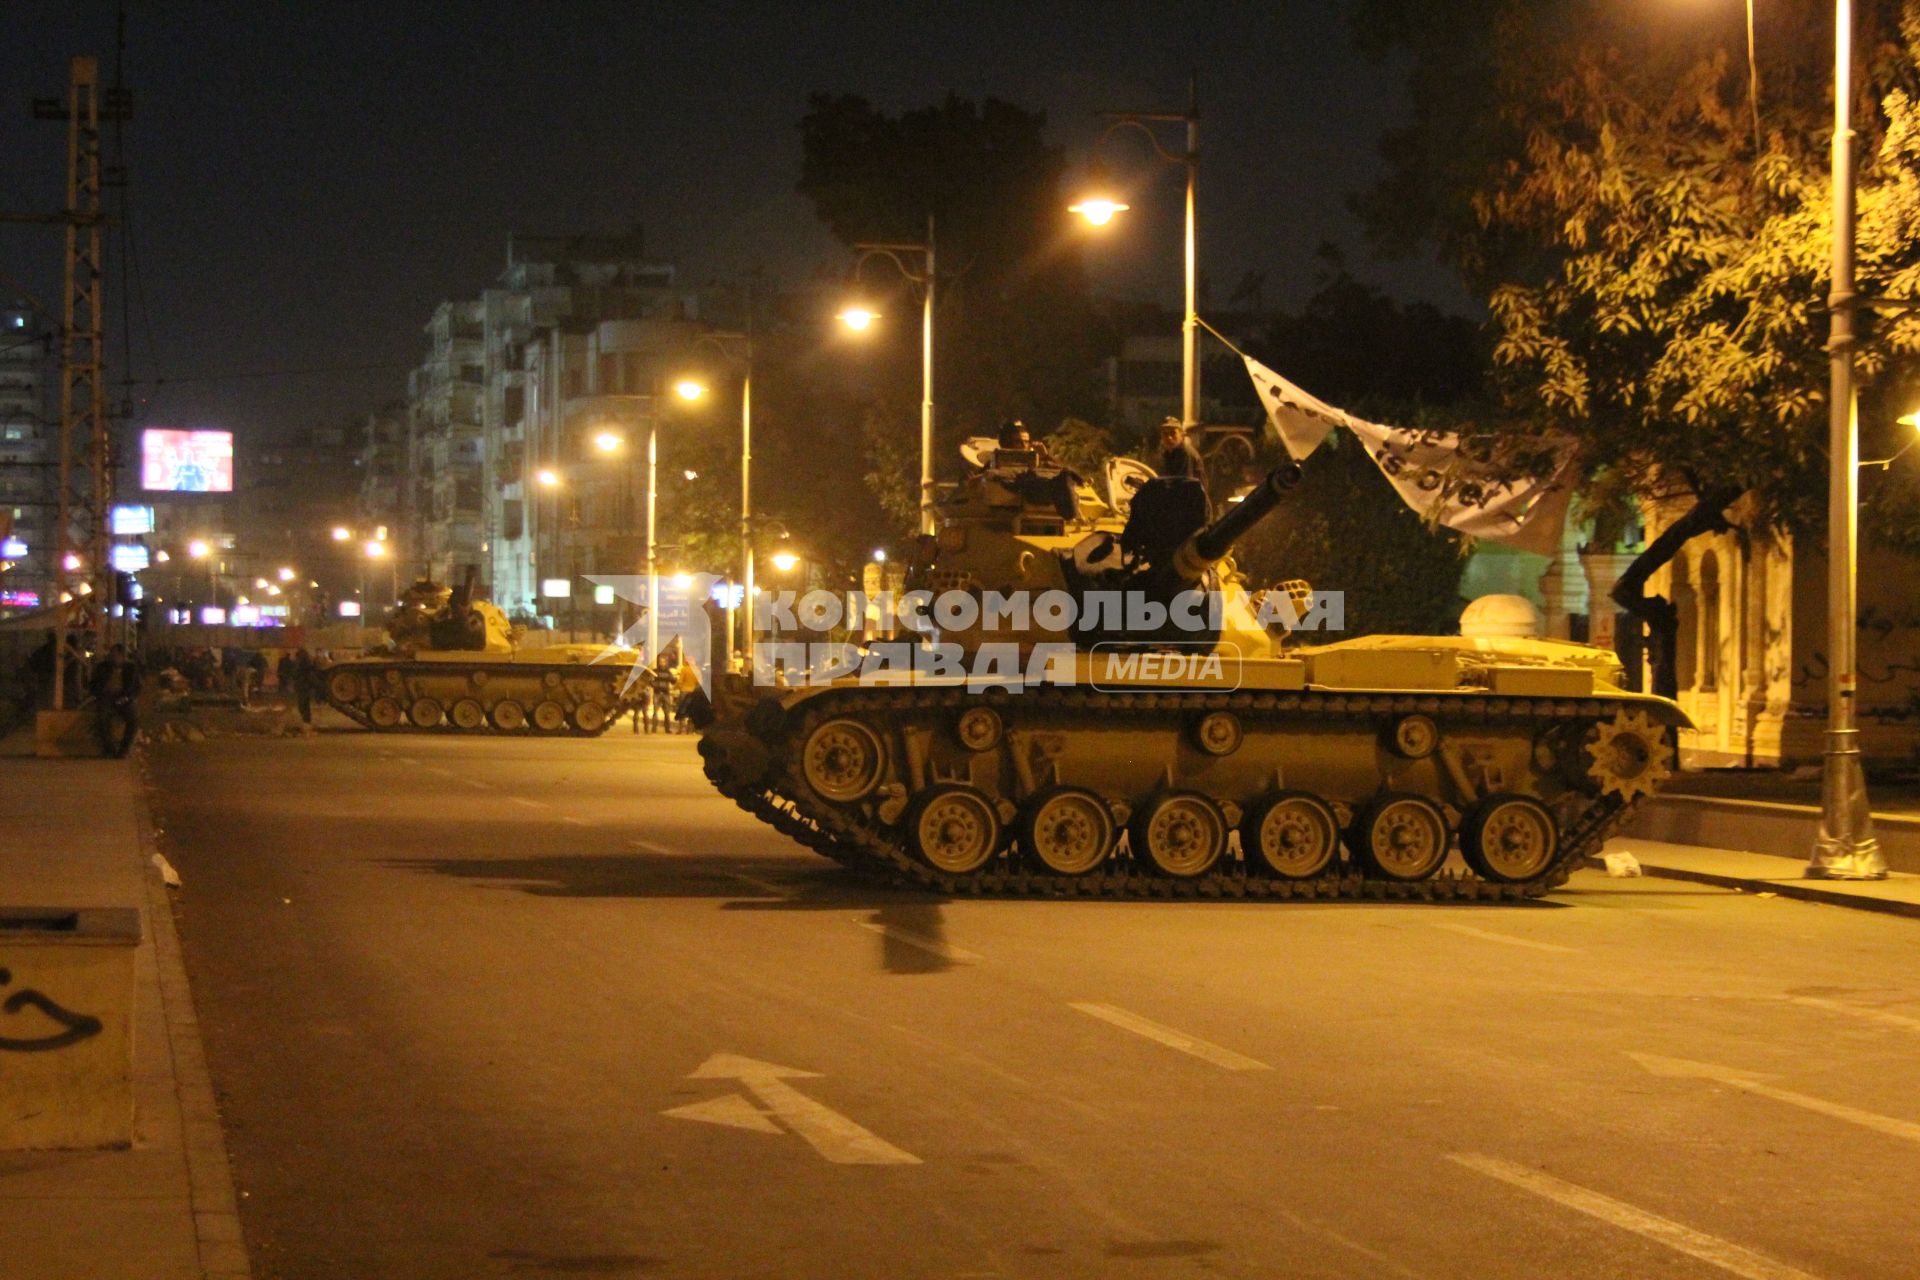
pixel 130 521
pixel 186 461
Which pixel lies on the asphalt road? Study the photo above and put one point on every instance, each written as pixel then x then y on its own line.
pixel 484 1007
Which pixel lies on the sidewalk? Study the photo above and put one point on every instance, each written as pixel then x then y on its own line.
pixel 1898 894
pixel 1771 812
pixel 75 833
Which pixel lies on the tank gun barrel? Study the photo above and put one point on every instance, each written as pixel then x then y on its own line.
pixel 1213 542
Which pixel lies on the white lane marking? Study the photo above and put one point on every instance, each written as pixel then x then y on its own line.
pixel 408 760
pixel 1489 936
pixel 578 822
pixel 651 847
pixel 1185 1043
pixel 765 886
pixel 932 946
pixel 837 1138
pixel 1881 1016
pixel 1683 1239
pixel 478 785
pixel 1685 1069
pixel 530 804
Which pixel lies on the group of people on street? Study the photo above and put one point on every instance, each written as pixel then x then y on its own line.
pixel 669 684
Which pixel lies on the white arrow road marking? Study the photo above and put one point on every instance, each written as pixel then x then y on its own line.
pixel 1167 1036
pixel 932 946
pixel 1684 1239
pixel 1511 941
pixel 1682 1068
pixel 732 1110
pixel 835 1137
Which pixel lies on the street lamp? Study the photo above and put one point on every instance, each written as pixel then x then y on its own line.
pixel 609 441
pixel 785 561
pixel 859 318
pixel 341 533
pixel 737 348
pixel 1905 420
pixel 1099 208
pixel 1845 847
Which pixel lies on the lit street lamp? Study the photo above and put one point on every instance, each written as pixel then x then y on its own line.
pixel 859 318
pixel 1099 208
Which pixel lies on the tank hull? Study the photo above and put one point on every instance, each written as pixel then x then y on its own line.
pixel 561 692
pixel 1165 790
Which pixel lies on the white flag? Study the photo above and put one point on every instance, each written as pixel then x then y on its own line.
pixel 1302 421
pixel 1435 472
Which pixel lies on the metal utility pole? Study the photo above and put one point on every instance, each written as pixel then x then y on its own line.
pixel 82 574
pixel 1845 848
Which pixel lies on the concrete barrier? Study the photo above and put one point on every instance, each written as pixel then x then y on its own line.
pixel 1763 826
pixel 66 1027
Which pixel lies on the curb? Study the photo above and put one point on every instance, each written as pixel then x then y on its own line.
pixel 216 1209
pixel 1803 891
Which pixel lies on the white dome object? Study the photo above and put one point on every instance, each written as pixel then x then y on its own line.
pixel 1501 617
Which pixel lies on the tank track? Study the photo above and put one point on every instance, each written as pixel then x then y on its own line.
pixel 784 801
pixel 358 713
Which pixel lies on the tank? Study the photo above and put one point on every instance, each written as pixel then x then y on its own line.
pixel 451 665
pixel 1213 759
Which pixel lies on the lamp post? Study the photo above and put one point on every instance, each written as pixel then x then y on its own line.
pixel 1099 208
pixel 1845 847
pixel 859 318
pixel 737 348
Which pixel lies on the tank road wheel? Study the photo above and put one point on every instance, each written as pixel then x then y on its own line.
pixel 843 761
pixel 1292 834
pixel 509 716
pixel 1403 837
pixel 425 713
pixel 386 713
pixel 343 686
pixel 1415 736
pixel 952 828
pixel 468 715
pixel 590 717
pixel 1509 838
pixel 1068 830
pixel 549 716
pixel 1179 834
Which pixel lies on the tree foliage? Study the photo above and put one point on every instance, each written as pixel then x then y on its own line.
pixel 1015 334
pixel 1656 281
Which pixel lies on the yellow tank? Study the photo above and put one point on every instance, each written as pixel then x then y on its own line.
pixel 1129 756
pixel 451 665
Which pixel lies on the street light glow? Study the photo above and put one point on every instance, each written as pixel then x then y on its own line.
pixel 1910 419
pixel 858 318
pixel 691 475
pixel 689 389
pixel 376 549
pixel 1098 210
pixel 72 562
pixel 682 580
pixel 341 533
pixel 286 574
pixel 784 561
pixel 547 477
pixel 608 441
pixel 879 555
pixel 198 548
pixel 161 556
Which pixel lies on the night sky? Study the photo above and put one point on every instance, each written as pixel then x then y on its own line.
pixel 308 180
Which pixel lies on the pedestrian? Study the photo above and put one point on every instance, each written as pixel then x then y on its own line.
pixel 689 705
pixel 660 695
pixel 306 674
pixel 284 672
pixel 116 693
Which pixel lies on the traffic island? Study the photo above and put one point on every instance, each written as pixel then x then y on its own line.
pixel 66 1027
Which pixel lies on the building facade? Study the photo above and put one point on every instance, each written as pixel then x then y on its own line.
pixel 29 438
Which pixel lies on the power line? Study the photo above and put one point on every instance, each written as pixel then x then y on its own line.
pixel 383 366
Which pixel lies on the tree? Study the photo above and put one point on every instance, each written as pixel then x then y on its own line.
pixel 1016 336
pixel 1655 274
